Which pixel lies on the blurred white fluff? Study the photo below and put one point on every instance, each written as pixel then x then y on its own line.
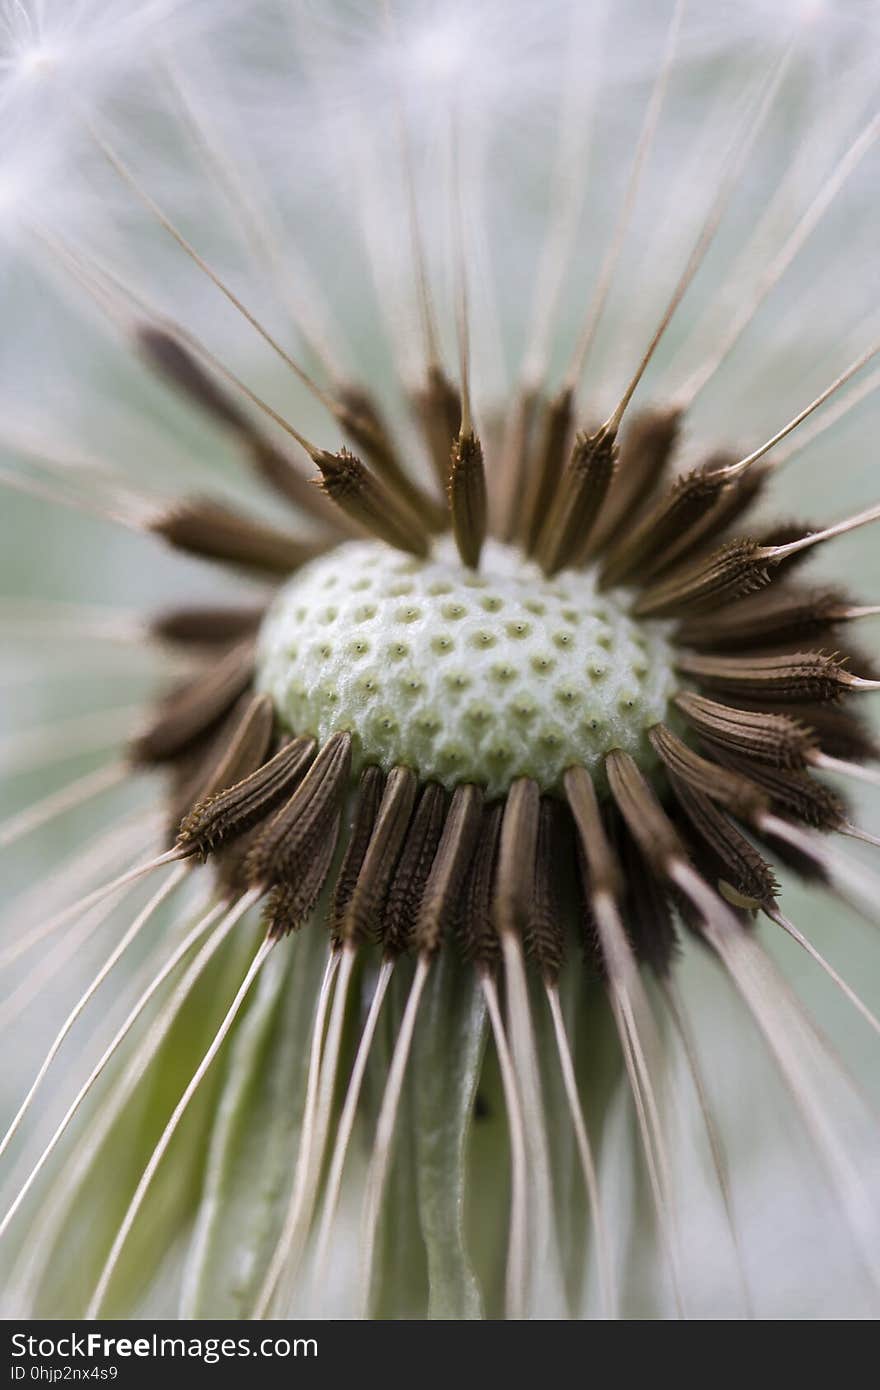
pixel 283 121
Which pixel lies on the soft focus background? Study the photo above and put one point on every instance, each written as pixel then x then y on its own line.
pixel 295 102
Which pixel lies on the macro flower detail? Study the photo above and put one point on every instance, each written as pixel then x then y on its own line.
pixel 508 707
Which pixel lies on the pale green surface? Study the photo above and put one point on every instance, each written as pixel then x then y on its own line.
pixel 464 677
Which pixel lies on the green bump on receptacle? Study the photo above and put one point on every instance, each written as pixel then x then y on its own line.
pixel 553 675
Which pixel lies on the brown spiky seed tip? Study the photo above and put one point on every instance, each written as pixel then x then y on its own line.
pixel 647 446
pixel 362 419
pixel 577 501
pixel 738 568
pixel 360 495
pixel 215 822
pixel 690 498
pixel 467 498
pixel 437 405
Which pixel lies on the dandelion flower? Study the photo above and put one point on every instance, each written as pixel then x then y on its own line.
pixel 479 395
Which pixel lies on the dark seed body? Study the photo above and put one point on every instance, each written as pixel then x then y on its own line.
pixel 418 865
pixel 216 532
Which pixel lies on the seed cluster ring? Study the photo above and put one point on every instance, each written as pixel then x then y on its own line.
pixel 754 709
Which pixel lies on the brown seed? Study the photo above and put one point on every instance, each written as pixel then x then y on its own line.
pixel 545 468
pixel 413 866
pixel 646 449
pixel 509 478
pixel 515 876
pixel 795 676
pixel 440 901
pixel 277 469
pixel 232 749
pixel 545 937
pixel 647 909
pixel 784 533
pixel 194 708
pixel 646 820
pixel 781 615
pixel 168 357
pixel 367 800
pixel 842 733
pixel 361 915
pixel 604 870
pixel 467 498
pixel 735 860
pixel 795 794
pixel 690 498
pixel 244 747
pixel 229 814
pixel 363 421
pixel 476 919
pixel 361 496
pixel 292 903
pixel 738 568
pixel 437 406
pixel 217 532
pixel 738 793
pixel 778 739
pixel 206 625
pixel 181 369
pixel 286 845
pixel 577 500
pixel 736 499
